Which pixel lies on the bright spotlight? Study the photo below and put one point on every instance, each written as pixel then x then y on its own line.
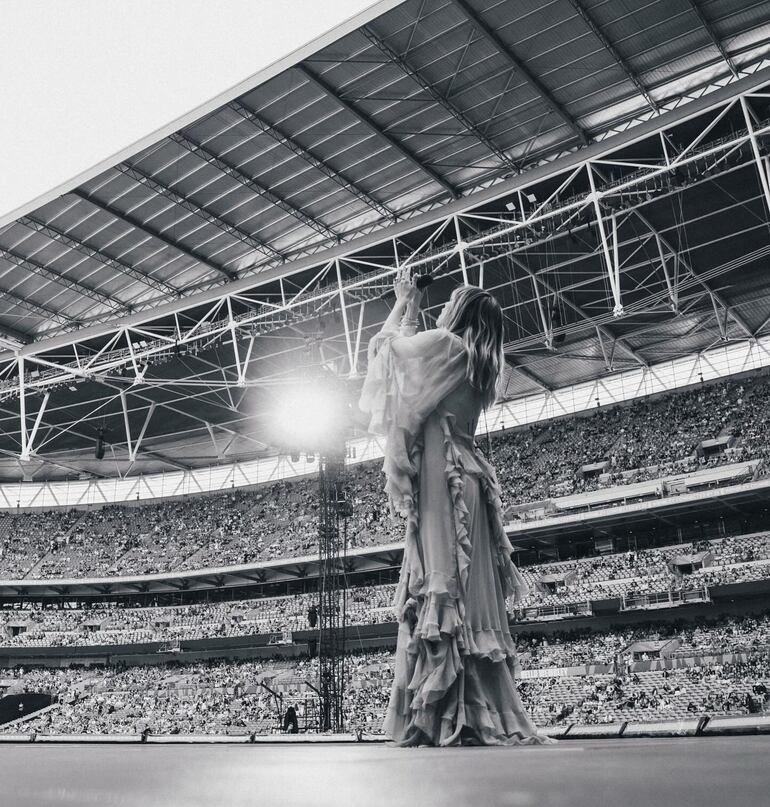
pixel 308 417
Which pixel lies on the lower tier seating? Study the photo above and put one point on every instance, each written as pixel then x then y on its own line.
pixel 246 696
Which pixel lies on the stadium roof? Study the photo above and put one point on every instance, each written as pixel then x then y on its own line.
pixel 435 118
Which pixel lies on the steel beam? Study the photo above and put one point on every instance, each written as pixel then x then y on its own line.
pixel 610 259
pixel 758 161
pixel 584 315
pixel 39 269
pixel 518 65
pixel 712 35
pixel 28 440
pixel 235 173
pixel 133 452
pixel 715 295
pixel 9 337
pixel 528 374
pixel 438 98
pixel 631 74
pixel 307 156
pixel 765 322
pixel 326 88
pixel 687 266
pixel 40 310
pixel 58 235
pixel 147 180
pixel 375 240
pixel 137 224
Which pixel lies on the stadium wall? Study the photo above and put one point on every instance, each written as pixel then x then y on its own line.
pixel 231 647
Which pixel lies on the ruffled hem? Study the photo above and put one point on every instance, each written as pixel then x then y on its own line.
pixel 480 708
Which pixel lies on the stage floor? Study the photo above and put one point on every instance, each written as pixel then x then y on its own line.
pixel 701 772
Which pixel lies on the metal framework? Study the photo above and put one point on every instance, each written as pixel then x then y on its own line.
pixel 608 195
pixel 58 236
pixel 197 148
pixel 463 61
pixel 605 257
pixel 521 70
pixel 332 591
pixel 142 226
pixel 606 201
pixel 369 123
pixel 584 13
pixel 439 98
pixel 719 361
pixel 712 35
pixel 338 177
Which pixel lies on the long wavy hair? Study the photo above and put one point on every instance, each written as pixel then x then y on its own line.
pixel 475 315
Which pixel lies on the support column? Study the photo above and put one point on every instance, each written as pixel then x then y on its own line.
pixel 23 409
pixel 345 323
pixel 332 589
pixel 461 250
pixel 613 273
pixel 763 180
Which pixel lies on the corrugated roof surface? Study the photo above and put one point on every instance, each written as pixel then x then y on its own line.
pixel 432 98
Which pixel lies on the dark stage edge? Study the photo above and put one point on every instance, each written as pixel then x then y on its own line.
pixel 685 772
pixel 700 726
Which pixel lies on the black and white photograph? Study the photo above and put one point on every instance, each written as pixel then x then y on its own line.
pixel 385 403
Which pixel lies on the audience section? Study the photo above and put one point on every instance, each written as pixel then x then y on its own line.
pixel 656 672
pixel 724 424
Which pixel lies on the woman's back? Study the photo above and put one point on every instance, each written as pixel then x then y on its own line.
pixel 464 404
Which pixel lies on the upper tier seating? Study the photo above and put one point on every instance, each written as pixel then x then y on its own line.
pixel 641 440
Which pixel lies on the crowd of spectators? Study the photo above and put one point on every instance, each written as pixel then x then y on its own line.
pixel 113 624
pixel 714 689
pixel 634 573
pixel 225 697
pixel 646 438
pixel 252 696
pixel 626 575
pixel 573 648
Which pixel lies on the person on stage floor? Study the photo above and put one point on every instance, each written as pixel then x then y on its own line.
pixel 455 658
pixel 290 722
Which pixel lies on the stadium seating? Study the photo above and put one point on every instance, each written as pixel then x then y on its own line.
pixel 645 439
pixel 246 696
pixel 628 444
pixel 624 575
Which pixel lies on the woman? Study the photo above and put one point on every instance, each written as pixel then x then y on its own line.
pixel 455 658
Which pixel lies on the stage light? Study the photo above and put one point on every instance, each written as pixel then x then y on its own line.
pixel 307 416
pixel 99 447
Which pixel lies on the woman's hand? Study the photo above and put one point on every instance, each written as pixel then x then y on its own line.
pixel 405 286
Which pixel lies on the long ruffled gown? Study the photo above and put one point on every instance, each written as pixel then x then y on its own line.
pixel 455 659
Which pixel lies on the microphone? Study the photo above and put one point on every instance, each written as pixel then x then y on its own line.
pixel 422 283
